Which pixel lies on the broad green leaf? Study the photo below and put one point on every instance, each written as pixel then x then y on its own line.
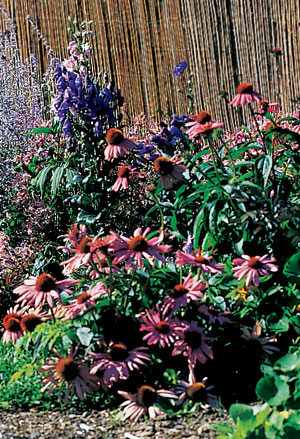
pixel 292 268
pixel 56 180
pixel 273 390
pixel 85 335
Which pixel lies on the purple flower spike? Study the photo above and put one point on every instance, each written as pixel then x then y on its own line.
pixel 180 68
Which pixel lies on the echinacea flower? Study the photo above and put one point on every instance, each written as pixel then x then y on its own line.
pixel 195 392
pixel 32 319
pixel 182 294
pixel 142 403
pixel 192 343
pixel 43 289
pixel 196 259
pixel 85 300
pixel 117 144
pixel 70 371
pixel 133 250
pixel 267 107
pixel 253 267
pixel 118 362
pixel 180 68
pixel 245 95
pixel 257 346
pixel 11 323
pixel 169 170
pixel 161 329
pixel 202 125
pixel 124 174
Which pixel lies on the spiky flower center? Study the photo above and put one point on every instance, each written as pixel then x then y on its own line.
pixel 193 339
pixel 45 283
pixel 114 136
pixel 29 322
pixel 67 369
pixel 163 166
pixel 203 117
pixel 138 244
pixel 179 291
pixel 83 246
pixel 146 396
pixel 197 392
pixel 118 352
pixel 254 263
pixel 124 172
pixel 245 88
pixel 163 327
pixel 201 260
pixel 11 322
pixel 83 297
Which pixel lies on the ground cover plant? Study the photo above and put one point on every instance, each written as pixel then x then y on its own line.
pixel 162 269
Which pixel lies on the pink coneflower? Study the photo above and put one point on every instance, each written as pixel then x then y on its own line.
pixel 82 255
pixel 253 268
pixel 103 267
pixel 32 319
pixel 169 170
pixel 133 250
pixel 117 144
pixel 195 392
pixel 190 290
pixel 142 403
pixel 260 346
pixel 118 362
pixel 69 371
pixel 245 95
pixel 202 125
pixel 43 289
pixel 161 329
pixel 214 315
pixel 125 173
pixel 192 344
pixel 196 259
pixel 85 300
pixel 267 107
pixel 11 323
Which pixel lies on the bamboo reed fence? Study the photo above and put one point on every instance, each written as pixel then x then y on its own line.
pixel 138 42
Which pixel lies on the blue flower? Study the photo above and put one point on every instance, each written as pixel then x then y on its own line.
pixel 180 68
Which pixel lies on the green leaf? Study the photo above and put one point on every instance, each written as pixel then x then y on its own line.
pixel 40 130
pixel 56 180
pixel 273 390
pixel 85 335
pixel 42 178
pixel 288 362
pixel 240 411
pixel 267 163
pixel 292 268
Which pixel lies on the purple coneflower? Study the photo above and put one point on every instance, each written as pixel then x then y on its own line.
pixel 192 343
pixel 118 362
pixel 253 268
pixel 202 125
pixel 133 250
pixel 259 345
pixel 196 259
pixel 169 170
pixel 161 329
pixel 245 95
pixel 142 403
pixel 85 300
pixel 43 289
pixel 125 173
pixel 117 144
pixel 69 371
pixel 195 391
pixel 11 323
pixel 190 290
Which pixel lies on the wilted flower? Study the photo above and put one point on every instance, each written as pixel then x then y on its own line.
pixel 259 346
pixel 143 402
pixel 253 268
pixel 70 371
pixel 245 95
